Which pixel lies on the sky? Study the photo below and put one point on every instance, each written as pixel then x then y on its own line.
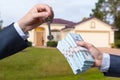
pixel 72 10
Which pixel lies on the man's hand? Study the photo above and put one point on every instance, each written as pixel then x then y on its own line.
pixel 94 52
pixel 35 17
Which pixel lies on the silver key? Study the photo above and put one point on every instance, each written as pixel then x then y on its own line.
pixel 50 36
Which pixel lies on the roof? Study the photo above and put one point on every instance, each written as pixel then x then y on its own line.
pixel 69 24
pixel 112 27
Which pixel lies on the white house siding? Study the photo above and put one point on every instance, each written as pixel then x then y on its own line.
pixel 100 34
pixel 65 32
pixel 99 26
pixel 33 37
pixel 92 30
pixel 111 37
pixel 99 39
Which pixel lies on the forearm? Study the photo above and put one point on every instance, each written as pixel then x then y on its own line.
pixel 110 65
pixel 11 42
pixel 20 31
pixel 114 69
pixel 105 62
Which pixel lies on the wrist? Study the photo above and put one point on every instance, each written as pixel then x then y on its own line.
pixel 22 26
pixel 99 60
pixel 20 31
pixel 105 62
pixel 98 63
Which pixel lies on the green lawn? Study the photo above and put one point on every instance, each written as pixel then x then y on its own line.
pixel 43 64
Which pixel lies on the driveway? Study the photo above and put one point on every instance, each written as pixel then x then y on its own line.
pixel 110 50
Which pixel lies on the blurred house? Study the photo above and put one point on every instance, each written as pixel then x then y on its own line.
pixel 92 30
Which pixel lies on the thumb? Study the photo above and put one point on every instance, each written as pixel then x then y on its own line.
pixel 41 15
pixel 83 44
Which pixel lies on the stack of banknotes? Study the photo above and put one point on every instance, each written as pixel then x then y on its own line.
pixel 79 58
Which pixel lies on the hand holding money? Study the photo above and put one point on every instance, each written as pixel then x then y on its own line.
pixel 97 54
pixel 78 57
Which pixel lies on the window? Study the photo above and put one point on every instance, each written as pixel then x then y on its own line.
pixel 56 35
pixel 92 24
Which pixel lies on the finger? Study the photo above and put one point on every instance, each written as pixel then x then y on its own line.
pixel 84 44
pixel 40 15
pixel 44 8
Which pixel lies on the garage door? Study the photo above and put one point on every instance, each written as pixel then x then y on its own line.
pixel 99 39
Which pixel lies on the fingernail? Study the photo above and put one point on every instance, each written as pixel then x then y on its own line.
pixel 46 14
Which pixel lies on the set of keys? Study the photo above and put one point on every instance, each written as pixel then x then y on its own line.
pixel 50 36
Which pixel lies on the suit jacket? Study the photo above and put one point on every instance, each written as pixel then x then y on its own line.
pixel 10 42
pixel 114 69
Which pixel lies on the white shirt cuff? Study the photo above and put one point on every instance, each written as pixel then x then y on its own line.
pixel 105 62
pixel 20 32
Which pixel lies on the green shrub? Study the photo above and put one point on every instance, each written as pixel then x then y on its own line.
pixel 52 43
pixel 112 45
pixel 29 43
pixel 117 39
pixel 117 43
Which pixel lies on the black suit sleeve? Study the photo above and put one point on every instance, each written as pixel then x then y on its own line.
pixel 114 70
pixel 11 42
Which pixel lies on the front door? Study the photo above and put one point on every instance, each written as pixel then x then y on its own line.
pixel 39 37
pixel 39 40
